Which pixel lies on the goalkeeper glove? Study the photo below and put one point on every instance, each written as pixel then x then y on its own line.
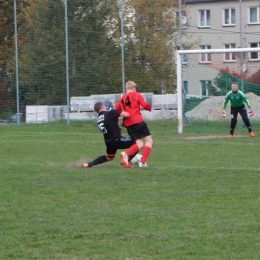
pixel 250 112
pixel 223 114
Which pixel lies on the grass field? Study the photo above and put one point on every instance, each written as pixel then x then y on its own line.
pixel 198 199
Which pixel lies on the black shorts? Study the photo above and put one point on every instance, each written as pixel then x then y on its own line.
pixel 120 143
pixel 138 131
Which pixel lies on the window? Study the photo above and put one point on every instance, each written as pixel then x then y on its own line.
pixel 254 15
pixel 205 85
pixel 204 18
pixel 228 56
pixel 205 57
pixel 254 55
pixel 185 87
pixel 229 16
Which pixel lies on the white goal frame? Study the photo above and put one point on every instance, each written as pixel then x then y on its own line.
pixel 179 54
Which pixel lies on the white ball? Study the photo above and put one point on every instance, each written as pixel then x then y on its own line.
pixel 136 159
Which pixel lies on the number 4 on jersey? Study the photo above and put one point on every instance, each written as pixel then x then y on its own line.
pixel 126 102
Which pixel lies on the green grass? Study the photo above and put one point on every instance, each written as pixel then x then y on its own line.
pixel 199 198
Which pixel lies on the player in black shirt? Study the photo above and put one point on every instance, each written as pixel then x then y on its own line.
pixel 107 123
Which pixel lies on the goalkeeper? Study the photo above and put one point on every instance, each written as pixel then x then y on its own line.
pixel 237 99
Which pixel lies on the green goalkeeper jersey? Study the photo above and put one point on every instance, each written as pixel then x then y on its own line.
pixel 236 100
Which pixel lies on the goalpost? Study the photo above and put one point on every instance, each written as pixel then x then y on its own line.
pixel 236 63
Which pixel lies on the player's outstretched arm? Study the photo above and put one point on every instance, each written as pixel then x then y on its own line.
pixel 143 103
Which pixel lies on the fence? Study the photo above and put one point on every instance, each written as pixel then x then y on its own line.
pixel 66 49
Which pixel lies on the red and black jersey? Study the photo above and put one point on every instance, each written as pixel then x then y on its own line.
pixel 107 123
pixel 131 103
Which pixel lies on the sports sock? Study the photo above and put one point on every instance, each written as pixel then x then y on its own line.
pixel 145 154
pixel 98 160
pixel 132 150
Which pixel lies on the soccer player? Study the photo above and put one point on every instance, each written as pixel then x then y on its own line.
pixel 237 99
pixel 107 123
pixel 137 129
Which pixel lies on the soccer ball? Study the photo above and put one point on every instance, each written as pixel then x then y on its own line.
pixel 135 161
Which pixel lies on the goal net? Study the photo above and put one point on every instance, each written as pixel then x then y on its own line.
pixel 204 77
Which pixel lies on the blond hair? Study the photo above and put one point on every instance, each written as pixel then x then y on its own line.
pixel 130 85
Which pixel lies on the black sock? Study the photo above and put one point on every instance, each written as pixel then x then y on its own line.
pixel 132 156
pixel 98 160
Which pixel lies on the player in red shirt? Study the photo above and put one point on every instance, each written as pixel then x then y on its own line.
pixel 137 129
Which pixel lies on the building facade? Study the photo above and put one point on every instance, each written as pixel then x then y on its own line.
pixel 211 24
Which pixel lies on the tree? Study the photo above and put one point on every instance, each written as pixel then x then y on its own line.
pixel 94 47
pixel 223 81
pixel 150 41
pixel 6 103
pixel 7 65
pixel 41 56
pixel 6 39
pixel 94 58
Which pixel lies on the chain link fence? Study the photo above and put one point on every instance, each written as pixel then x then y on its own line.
pixel 53 52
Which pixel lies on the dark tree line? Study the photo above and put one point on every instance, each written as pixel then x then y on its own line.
pixel 94 48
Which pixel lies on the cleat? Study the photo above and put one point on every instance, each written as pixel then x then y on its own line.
pixel 141 165
pixel 85 165
pixel 124 160
pixel 230 136
pixel 130 165
pixel 252 134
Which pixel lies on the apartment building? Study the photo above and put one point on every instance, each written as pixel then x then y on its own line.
pixel 211 24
